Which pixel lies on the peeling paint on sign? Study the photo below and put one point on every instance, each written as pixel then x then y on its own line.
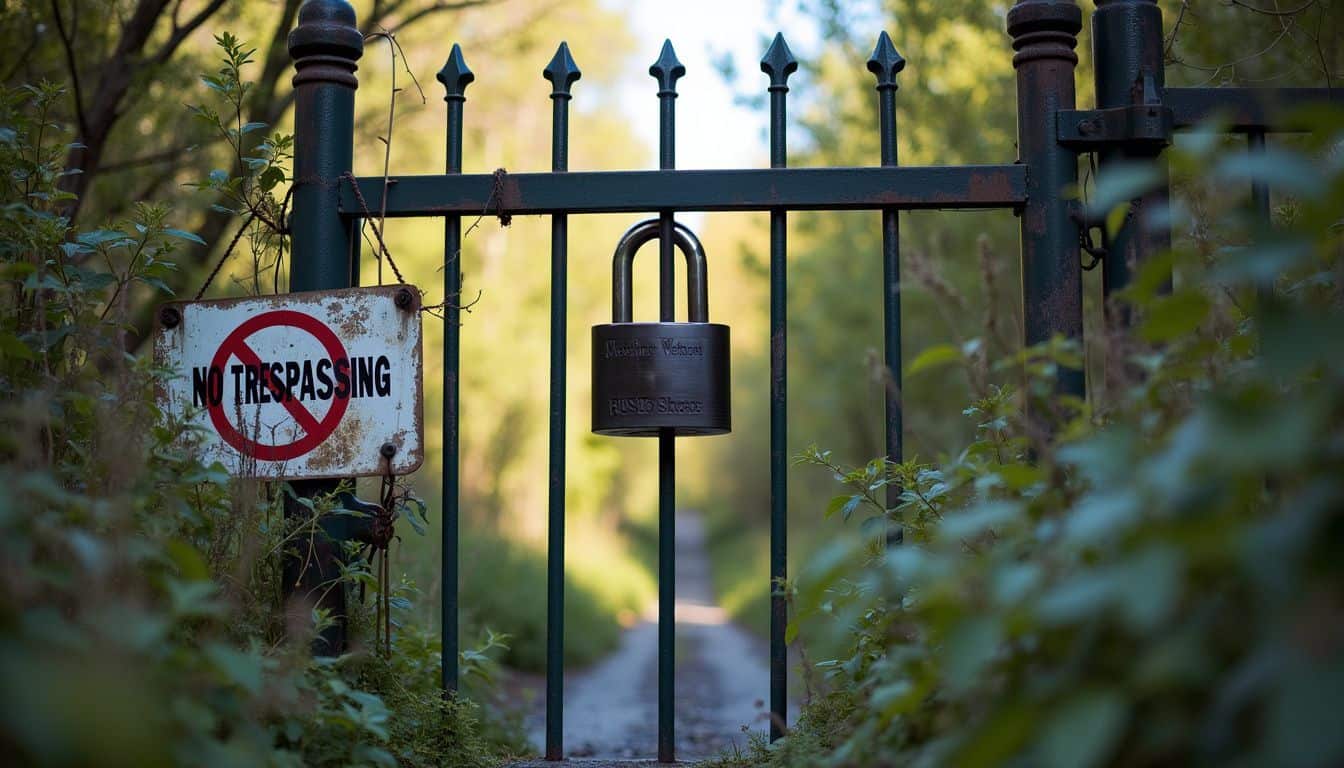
pixel 300 385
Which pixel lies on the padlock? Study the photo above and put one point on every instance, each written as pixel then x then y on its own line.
pixel 654 377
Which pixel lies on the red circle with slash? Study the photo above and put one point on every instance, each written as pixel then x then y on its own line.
pixel 314 430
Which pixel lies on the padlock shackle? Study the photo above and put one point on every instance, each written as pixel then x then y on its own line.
pixel 622 291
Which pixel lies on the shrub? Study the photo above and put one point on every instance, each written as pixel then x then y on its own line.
pixel 1148 577
pixel 141 619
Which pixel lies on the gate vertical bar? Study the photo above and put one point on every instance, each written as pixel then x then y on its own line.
pixel 778 63
pixel 325 45
pixel 667 69
pixel 885 63
pixel 455 76
pixel 1127 53
pixel 562 73
pixel 1044 35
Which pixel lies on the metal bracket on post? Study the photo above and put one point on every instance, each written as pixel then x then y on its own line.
pixel 1147 124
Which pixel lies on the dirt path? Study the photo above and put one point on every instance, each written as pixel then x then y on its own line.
pixel 611 709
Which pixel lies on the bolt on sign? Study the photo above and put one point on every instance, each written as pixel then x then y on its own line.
pixel 321 384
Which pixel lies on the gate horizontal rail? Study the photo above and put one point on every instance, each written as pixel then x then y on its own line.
pixel 756 189
pixel 1245 110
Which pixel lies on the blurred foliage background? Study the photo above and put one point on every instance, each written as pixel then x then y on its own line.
pixel 128 68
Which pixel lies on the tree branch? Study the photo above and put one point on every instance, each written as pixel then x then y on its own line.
pixel 1272 12
pixel 153 158
pixel 439 7
pixel 68 44
pixel 137 29
pixel 183 32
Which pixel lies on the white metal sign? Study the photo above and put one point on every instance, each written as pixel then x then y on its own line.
pixel 302 385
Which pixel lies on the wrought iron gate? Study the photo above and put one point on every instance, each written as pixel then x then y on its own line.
pixel 1135 118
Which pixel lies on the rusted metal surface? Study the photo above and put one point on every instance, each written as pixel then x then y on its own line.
pixel 322 384
pixel 1044 34
pixel 754 189
pixel 1130 79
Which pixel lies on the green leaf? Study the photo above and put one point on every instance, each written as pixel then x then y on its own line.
pixel 1279 169
pixel 933 357
pixel 970 523
pixel 156 284
pixel 270 178
pixel 1086 593
pixel 1121 183
pixel 1083 730
pixel 1152 580
pixel 99 237
pixel 1171 317
pixel 182 234
pixel 1019 477
pixel 12 348
pixel 1100 517
pixel 844 504
pixel 969 648
pixel 994 743
pixel 193 598
pixel 190 564
pixel 238 667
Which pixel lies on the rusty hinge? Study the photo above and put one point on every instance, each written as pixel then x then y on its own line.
pixel 1147 123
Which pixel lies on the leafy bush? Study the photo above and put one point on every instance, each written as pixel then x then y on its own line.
pixel 1149 577
pixel 142 616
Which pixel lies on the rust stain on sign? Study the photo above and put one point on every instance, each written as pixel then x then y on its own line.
pixel 299 386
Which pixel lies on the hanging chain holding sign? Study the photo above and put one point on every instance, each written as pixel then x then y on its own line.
pixel 322 384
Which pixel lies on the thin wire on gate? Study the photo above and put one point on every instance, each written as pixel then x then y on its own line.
pixel 1095 252
pixel 384 532
pixel 381 250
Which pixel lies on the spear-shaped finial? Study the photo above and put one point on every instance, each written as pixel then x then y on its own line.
pixel 885 62
pixel 455 75
pixel 779 63
pixel 562 71
pixel 667 69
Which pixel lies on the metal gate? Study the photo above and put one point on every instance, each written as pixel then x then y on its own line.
pixel 1135 117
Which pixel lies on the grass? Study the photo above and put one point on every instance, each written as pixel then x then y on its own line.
pixel 503 587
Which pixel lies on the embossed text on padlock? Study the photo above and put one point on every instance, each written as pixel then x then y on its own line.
pixel 651 377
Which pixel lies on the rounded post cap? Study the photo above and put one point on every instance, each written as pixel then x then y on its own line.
pixel 326 28
pixel 1028 17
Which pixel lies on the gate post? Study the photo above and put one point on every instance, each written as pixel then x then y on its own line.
pixel 1127 53
pixel 1044 34
pixel 324 46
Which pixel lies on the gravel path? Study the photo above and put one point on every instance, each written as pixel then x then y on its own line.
pixel 611 709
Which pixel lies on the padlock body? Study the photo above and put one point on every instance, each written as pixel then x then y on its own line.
pixel 648 377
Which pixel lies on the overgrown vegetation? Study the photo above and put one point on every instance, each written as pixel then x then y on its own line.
pixel 143 618
pixel 1148 577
